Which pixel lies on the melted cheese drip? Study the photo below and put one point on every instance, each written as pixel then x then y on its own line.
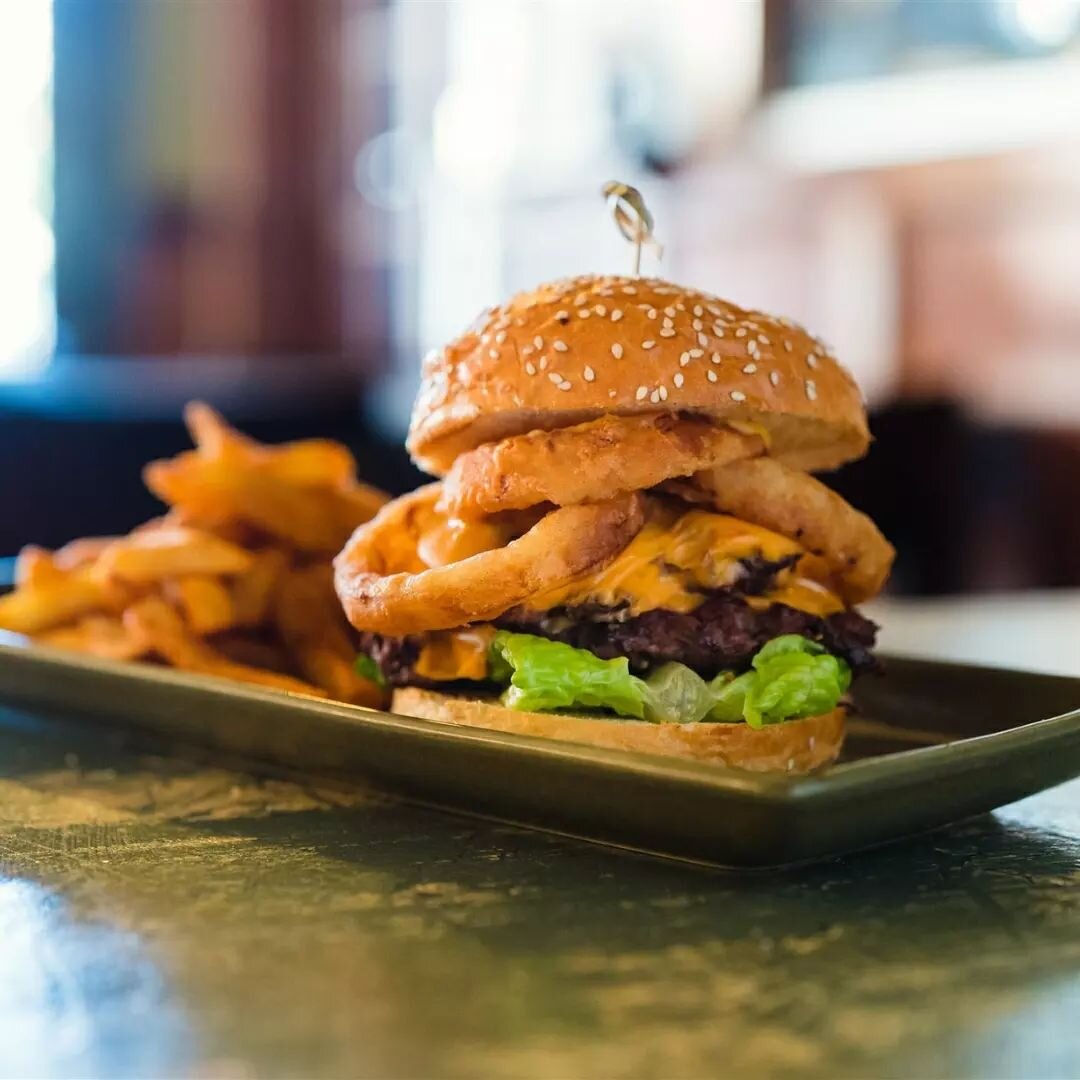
pixel 454 539
pixel 672 559
pixel 456 654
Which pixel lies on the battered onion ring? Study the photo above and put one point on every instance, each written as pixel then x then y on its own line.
pixel 384 587
pixel 589 461
pixel 766 492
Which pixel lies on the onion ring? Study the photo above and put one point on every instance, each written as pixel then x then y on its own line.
pixel 766 492
pixel 384 585
pixel 590 461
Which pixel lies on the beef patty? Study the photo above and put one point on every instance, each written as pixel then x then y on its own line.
pixel 723 633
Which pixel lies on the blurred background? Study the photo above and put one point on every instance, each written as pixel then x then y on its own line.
pixel 279 205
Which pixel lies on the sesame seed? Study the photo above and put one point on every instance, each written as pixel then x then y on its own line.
pixel 749 369
pixel 648 344
pixel 819 349
pixel 751 348
pixel 616 315
pixel 543 363
pixel 787 345
pixel 715 358
pixel 811 389
pixel 530 368
pixel 667 331
pixel 703 339
pixel 695 353
pixel 611 393
pixel 712 309
pixel 562 316
pixel 718 330
pixel 654 397
pixel 668 322
pixel 763 339
pixel 651 313
pixel 698 310
pixel 588 373
pixel 526 349
pixel 678 379
pixel 811 360
pixel 741 332
pixel 564 385
pixel 737 395
pixel 684 359
pixel 600 310
pixel 485 338
pixel 774 378
pixel 697 324
pixel 670 312
pixel 555 377
pixel 680 305
pixel 560 346
pixel 580 299
pixel 629 290
pixel 711 375
pixel 583 312
pixel 538 341
pixel 641 392
pixel 616 351
pixel 663 393
pixel 500 337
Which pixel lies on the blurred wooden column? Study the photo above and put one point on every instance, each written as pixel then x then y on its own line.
pixel 301 263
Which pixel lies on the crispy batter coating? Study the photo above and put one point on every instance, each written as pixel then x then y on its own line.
pixel 392 578
pixel 796 505
pixel 589 461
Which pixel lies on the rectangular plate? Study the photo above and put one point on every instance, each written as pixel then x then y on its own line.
pixel 934 743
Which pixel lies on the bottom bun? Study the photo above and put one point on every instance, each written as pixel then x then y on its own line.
pixel 797 746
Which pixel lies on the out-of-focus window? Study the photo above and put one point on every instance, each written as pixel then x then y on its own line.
pixel 831 40
pixel 27 310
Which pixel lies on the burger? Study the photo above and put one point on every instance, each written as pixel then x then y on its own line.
pixel 626 546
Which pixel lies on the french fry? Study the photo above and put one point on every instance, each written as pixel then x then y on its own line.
pixel 166 635
pixel 207 587
pixel 212 435
pixel 84 552
pixel 309 621
pixel 304 494
pixel 34 566
pixel 99 635
pixel 253 590
pixel 311 463
pixel 205 603
pixel 36 608
pixel 170 551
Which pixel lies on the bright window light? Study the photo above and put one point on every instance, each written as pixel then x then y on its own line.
pixel 27 297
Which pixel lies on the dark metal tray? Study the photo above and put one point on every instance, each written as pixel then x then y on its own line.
pixel 933 743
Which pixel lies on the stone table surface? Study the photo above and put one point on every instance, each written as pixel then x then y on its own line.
pixel 163 918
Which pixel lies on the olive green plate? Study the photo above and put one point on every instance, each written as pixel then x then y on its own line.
pixel 933 743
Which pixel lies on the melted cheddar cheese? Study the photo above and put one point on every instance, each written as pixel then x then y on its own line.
pixel 674 558
pixel 455 654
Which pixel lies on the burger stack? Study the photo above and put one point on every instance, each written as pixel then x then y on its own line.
pixel 627 547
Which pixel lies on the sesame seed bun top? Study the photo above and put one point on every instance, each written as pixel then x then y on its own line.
pixel 573 350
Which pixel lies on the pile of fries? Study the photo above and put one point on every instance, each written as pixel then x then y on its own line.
pixel 235 580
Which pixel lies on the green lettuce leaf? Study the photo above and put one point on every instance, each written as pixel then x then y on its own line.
pixel 790 677
pixel 367 667
pixel 794 677
pixel 550 675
